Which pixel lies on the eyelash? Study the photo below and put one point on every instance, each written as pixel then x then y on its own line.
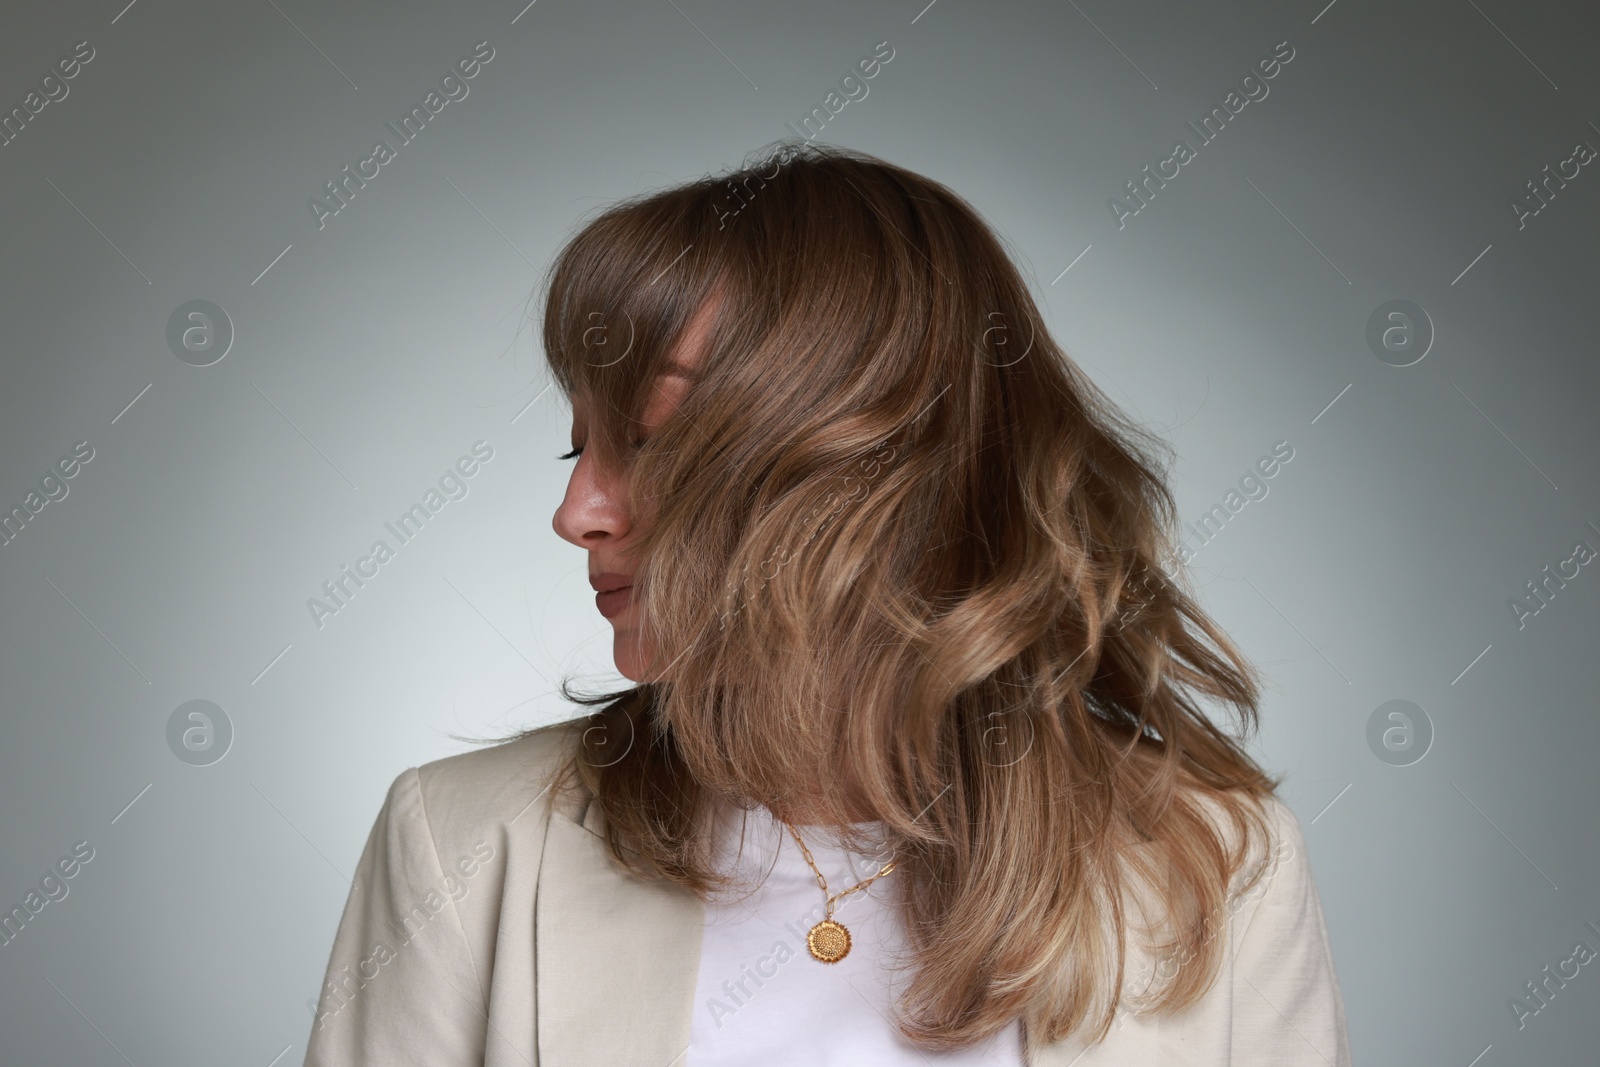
pixel 576 452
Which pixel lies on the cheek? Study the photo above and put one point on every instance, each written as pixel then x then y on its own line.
pixel 643 510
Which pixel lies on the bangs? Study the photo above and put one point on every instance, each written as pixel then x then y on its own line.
pixel 621 293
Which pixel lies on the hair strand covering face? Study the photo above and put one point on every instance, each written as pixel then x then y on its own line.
pixel 895 531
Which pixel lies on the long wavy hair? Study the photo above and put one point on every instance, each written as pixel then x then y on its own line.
pixel 897 537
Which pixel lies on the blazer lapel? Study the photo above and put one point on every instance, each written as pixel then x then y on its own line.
pixel 616 957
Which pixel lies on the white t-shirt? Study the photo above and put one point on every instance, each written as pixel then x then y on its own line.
pixel 760 996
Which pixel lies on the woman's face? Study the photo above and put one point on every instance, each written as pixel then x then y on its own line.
pixel 594 514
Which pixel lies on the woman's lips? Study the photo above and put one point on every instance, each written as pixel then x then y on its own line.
pixel 614 602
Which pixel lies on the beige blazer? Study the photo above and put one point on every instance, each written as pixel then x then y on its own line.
pixel 486 925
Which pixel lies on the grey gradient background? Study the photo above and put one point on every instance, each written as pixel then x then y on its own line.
pixel 1229 314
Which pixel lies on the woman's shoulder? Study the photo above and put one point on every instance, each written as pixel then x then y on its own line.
pixel 512 781
pixel 1265 844
pixel 1269 839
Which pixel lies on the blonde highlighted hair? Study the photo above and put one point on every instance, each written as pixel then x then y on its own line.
pixel 897 538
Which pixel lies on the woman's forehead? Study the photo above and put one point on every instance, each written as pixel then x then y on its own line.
pixel 682 367
pixel 668 387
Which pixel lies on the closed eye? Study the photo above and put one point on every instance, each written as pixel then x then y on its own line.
pixel 576 452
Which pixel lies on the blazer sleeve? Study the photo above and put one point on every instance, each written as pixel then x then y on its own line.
pixel 1288 1011
pixel 400 986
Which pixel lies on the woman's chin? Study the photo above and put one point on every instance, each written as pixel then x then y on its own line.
pixel 627 654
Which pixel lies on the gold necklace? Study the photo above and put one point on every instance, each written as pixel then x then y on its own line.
pixel 829 941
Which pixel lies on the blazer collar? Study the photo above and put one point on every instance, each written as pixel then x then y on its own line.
pixel 615 956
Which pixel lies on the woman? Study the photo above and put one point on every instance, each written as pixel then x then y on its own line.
pixel 913 770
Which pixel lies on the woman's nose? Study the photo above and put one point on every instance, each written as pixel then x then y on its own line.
pixel 594 507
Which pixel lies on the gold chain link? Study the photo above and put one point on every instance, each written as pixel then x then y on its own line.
pixel 823 882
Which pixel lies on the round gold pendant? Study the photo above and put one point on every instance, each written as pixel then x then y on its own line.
pixel 828 941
